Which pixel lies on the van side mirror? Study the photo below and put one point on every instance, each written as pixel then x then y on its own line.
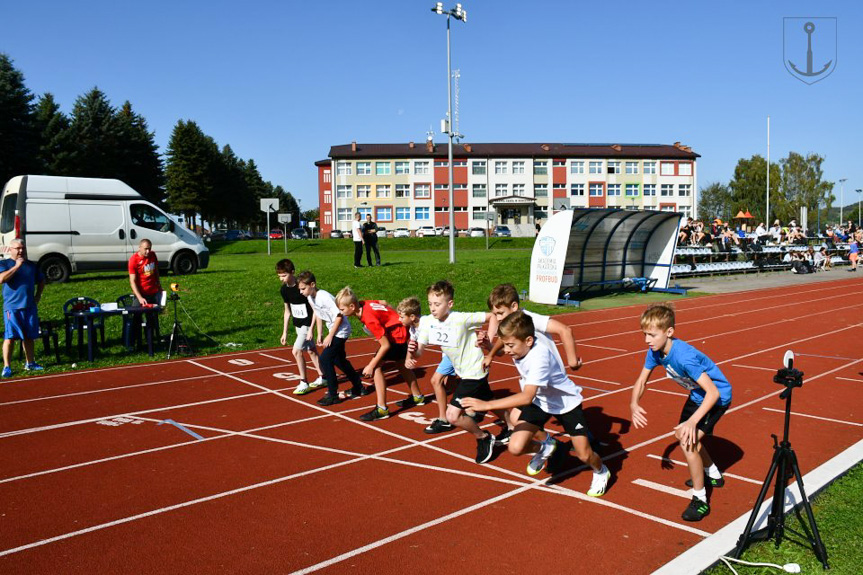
pixel 172 227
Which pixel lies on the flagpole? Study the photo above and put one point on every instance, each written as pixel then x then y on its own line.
pixel 767 217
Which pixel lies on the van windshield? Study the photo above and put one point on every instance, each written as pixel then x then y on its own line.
pixel 7 213
pixel 148 217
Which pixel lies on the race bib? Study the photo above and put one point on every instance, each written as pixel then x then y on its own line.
pixel 683 381
pixel 299 311
pixel 442 335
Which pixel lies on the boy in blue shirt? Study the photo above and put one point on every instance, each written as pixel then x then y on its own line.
pixel 709 398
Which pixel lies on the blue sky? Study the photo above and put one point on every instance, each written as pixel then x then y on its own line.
pixel 282 81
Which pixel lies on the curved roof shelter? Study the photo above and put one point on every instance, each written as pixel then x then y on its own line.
pixel 601 249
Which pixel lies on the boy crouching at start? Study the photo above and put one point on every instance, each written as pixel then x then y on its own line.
pixel 546 392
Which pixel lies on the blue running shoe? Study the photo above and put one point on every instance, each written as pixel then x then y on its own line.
pixel 7 372
pixel 33 367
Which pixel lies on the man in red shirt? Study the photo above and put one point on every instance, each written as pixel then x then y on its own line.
pixel 384 324
pixel 144 273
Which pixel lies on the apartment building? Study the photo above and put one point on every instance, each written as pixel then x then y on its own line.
pixel 407 185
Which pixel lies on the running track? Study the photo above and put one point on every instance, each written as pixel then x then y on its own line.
pixel 90 482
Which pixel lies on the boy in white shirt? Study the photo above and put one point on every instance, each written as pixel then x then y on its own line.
pixel 546 392
pixel 333 355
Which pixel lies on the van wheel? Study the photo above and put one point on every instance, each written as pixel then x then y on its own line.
pixel 185 263
pixel 55 269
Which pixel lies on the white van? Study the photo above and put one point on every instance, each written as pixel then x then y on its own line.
pixel 81 224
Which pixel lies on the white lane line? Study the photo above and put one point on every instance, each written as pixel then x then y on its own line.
pixel 824 356
pixel 277 358
pixel 595 379
pixel 724 473
pixel 753 367
pixel 663 488
pixel 601 347
pixel 667 392
pixel 798 414
pixel 851 379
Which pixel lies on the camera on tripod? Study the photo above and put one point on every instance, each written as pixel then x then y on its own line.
pixel 788 376
pixel 175 292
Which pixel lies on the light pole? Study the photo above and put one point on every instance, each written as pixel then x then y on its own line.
pixel 459 14
pixel 859 192
pixel 841 198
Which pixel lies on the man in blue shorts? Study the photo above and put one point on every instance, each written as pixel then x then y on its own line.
pixel 20 278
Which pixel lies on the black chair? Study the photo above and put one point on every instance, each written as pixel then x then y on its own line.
pixel 129 335
pixel 81 304
pixel 48 335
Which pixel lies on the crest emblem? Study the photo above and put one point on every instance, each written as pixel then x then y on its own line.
pixel 546 245
pixel 809 48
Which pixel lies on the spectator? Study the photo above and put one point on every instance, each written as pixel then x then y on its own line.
pixel 776 232
pixel 821 260
pixel 370 238
pixel 20 277
pixel 144 273
pixel 853 249
pixel 357 236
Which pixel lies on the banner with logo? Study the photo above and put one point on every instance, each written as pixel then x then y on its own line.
pixel 548 258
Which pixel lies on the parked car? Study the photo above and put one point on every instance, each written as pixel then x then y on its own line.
pixel 424 231
pixel 336 234
pixel 476 233
pixel 441 231
pixel 299 234
pixel 402 233
pixel 501 232
pixel 382 232
pixel 277 234
pixel 232 235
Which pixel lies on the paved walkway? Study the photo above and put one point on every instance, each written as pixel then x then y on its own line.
pixel 750 281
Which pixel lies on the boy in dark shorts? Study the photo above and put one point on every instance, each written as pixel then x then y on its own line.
pixel 546 392
pixel 709 398
pixel 385 326
pixel 298 311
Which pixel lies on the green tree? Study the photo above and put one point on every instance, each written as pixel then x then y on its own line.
pixel 287 205
pixel 228 187
pixel 19 137
pixel 191 167
pixel 138 161
pixel 802 186
pixel 714 201
pixel 257 189
pixel 93 138
pixel 748 187
pixel 52 125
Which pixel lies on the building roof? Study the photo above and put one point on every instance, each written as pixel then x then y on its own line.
pixel 675 151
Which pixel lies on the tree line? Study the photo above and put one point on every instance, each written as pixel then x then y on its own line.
pixel 795 182
pixel 196 178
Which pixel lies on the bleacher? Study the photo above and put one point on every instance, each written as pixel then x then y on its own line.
pixel 702 260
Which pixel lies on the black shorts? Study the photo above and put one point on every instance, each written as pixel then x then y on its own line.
pixel 397 352
pixel 573 421
pixel 477 388
pixel 708 422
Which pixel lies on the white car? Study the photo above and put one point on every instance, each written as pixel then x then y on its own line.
pixel 401 233
pixel 476 233
pixel 441 231
pixel 424 231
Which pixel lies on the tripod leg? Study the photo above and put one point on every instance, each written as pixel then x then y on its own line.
pixel 747 533
pixel 776 521
pixel 820 550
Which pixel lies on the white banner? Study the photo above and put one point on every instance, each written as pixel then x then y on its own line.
pixel 549 257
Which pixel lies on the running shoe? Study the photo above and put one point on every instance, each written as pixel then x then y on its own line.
pixel 375 414
pixel 7 372
pixel 540 458
pixel 358 392
pixel 329 400
pixel 599 483
pixel 696 510
pixel 320 382
pixel 437 426
pixel 709 481
pixel 411 401
pixel 484 448
pixel 502 438
pixel 303 388
pixel 33 367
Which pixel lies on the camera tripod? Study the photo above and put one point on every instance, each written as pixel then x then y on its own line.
pixel 783 465
pixel 178 343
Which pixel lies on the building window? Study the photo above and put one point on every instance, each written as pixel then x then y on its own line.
pixel 540 214
pixel 478 213
pixel 441 187
pixel 631 167
pixel 559 186
pixel 684 169
pixel 649 189
pixel 343 191
pixel 363 212
pixel 576 189
pixel 403 167
pixel 667 190
pixel 328 197
pixel 666 168
pixel 328 218
pixel 344 214
pixel 327 176
pixel 364 168
pixel 596 190
pixel 576 167
pixel 631 190
pixel 364 191
pixel 382 191
pixel 595 167
pixel 649 168
pixel 403 214
pixel 684 190
pixel 403 190
pixel 459 163
pixel 343 169
pixel 500 167
pixel 518 189
pixel 671 208
pixel 459 187
pixel 478 168
pixel 479 190
pixel 441 163
pixel 558 163
pixel 422 191
pixel 518 167
pixel 613 189
pixel 500 190
pixel 540 168
pixel 613 167
pixel 383 168
pixel 384 214
pixel 422 214
pixel 686 211
pixel 421 168
pixel 540 190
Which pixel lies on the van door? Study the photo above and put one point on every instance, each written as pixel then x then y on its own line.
pixel 99 236
pixel 149 222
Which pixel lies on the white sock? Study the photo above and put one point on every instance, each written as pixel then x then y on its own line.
pixel 547 446
pixel 701 494
pixel 602 471
pixel 713 472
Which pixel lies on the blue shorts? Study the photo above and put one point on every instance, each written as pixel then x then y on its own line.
pixel 21 323
pixel 445 367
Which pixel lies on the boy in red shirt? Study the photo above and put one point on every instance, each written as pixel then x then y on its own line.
pixel 384 324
